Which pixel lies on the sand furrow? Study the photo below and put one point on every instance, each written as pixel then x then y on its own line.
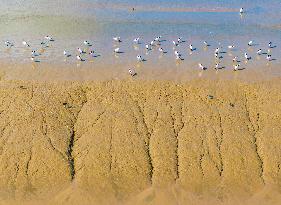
pixel 119 140
pixel 255 139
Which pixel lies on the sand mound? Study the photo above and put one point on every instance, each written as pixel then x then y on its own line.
pixel 204 142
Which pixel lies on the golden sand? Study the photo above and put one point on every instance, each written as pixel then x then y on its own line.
pixel 140 142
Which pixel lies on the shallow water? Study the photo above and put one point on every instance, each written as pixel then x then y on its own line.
pixel 73 21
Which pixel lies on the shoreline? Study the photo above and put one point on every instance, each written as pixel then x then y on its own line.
pixel 91 72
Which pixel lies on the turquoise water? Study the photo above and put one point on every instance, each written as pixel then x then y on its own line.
pixel 73 21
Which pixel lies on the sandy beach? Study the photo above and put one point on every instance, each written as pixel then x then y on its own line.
pixel 122 102
pixel 140 142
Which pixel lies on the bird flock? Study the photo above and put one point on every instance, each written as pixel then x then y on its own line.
pixel 154 44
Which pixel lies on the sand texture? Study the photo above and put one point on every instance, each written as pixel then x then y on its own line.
pixel 140 142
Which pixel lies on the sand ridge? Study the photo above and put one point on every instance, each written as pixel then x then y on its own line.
pixel 140 142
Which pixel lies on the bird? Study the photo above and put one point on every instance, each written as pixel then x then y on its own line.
pixel 9 44
pixel 175 43
pixel 158 38
pixel 139 58
pixel 79 58
pixel 136 40
pixel 246 56
pixel 49 38
pixel 206 43
pixel 201 66
pixel 147 47
pixel 191 48
pixel 217 66
pixel 117 39
pixel 250 43
pixel 25 44
pixel 268 57
pixel 66 54
pixel 161 50
pixel 87 43
pixel 179 40
pixel 236 67
pixel 217 50
pixel 259 52
pixel 92 54
pixel 43 43
pixel 231 46
pixel 116 50
pixel 270 45
pixel 241 10
pixel 177 53
pixel 235 59
pixel 33 53
pixel 80 51
pixel 178 57
pixel 132 72
pixel 152 43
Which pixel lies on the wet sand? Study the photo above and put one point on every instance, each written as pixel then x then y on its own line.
pixel 138 8
pixel 136 141
pixel 92 71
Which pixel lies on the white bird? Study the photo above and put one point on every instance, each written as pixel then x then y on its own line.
pixel 92 54
pixel 137 40
pixel 177 53
pixel 241 10
pixel 33 53
pixel 206 43
pixel 217 66
pixel 236 67
pixel 246 56
pixel 65 53
pixel 25 44
pixel 231 46
pixel 250 43
pixel 79 58
pixel 259 52
pixel 268 57
pixel 201 66
pixel 235 59
pixel 139 58
pixel 116 50
pixel 87 43
pixel 216 55
pixel 9 44
pixel 191 47
pixel 178 57
pixel 80 50
pixel 179 40
pixel 217 50
pixel 117 39
pixel 175 43
pixel 49 38
pixel 147 47
pixel 152 43
pixel 161 50
pixel 158 38
pixel 270 45
pixel 132 72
